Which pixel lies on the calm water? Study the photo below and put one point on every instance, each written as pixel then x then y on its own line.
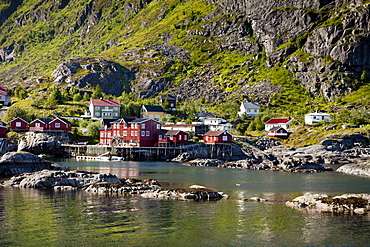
pixel 30 217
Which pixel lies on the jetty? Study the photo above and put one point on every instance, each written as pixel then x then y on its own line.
pixel 128 153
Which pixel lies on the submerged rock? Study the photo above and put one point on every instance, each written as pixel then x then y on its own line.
pixel 347 203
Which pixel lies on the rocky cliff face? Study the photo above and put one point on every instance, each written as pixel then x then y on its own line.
pixel 323 43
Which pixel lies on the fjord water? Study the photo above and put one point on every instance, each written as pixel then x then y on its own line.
pixel 31 217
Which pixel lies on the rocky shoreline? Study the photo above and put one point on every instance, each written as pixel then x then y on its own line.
pixel 271 155
pixel 108 184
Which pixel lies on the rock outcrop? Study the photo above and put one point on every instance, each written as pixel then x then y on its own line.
pixel 40 143
pixel 88 72
pixel 361 169
pixel 347 203
pixel 13 163
pixel 108 184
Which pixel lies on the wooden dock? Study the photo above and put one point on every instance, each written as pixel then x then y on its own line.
pixel 147 153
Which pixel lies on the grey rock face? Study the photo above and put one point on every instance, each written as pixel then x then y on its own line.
pixel 39 144
pixel 362 169
pixel 88 72
pixel 19 162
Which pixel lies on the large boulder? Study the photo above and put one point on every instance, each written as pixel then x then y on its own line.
pixel 13 163
pixel 39 143
pixel 362 169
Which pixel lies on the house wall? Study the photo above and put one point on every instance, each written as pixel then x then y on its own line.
pixel 62 125
pixel 312 119
pixel 22 124
pixel 43 126
pixel 218 139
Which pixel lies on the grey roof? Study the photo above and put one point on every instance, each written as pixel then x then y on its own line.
pixel 250 105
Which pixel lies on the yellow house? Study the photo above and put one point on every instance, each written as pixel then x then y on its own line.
pixel 153 112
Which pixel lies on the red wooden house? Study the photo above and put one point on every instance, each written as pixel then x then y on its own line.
pixel 18 124
pixel 279 132
pixel 41 124
pixel 213 137
pixel 140 132
pixel 172 137
pixel 60 125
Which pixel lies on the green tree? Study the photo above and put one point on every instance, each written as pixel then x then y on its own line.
pixel 97 93
pixel 86 96
pixel 93 129
pixel 77 97
pixel 15 111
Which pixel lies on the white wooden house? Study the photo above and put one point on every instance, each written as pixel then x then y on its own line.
pixel 316 117
pixel 249 109
pixel 278 122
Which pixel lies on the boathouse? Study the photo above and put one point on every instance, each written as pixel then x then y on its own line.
pixel 213 137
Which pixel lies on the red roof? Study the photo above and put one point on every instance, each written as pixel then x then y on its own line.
pixel 3 91
pixel 215 133
pixel 105 102
pixel 279 120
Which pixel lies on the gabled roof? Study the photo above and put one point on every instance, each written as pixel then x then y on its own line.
pixel 44 120
pixel 153 108
pixel 105 102
pixel 279 120
pixel 317 114
pixel 19 119
pixel 277 128
pixel 174 132
pixel 205 114
pixel 181 125
pixel 3 91
pixel 61 119
pixel 170 97
pixel 250 105
pixel 216 133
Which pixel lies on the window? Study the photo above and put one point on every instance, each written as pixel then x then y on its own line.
pixel 97 114
pixel 115 114
pixel 37 125
pixel 158 116
pixel 18 124
pixel 115 108
pixel 224 138
pixel 97 107
pixel 179 137
pixel 151 116
pixel 135 133
pixel 158 126
pixel 171 137
pixel 160 136
pixel 172 105
pixel 148 133
pixel 107 108
pixel 185 137
pixel 124 133
pixel 143 126
pixel 57 125
pixel 142 133
pixel 132 133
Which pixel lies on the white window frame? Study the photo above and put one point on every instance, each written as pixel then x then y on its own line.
pixel 147 133
pixel 57 125
pixel 125 133
pixel 158 126
pixel 225 138
pixel 143 126
pixel 18 124
pixel 37 125
pixel 142 133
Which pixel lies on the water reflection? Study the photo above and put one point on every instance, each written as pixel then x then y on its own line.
pixel 69 218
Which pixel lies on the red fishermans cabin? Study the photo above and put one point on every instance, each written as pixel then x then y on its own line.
pixel 213 137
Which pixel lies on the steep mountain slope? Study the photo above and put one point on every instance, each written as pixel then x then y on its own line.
pixel 276 52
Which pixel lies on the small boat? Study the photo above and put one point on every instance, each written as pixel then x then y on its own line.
pixel 101 157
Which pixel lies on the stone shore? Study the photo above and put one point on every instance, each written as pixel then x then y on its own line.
pixel 108 184
pixel 346 203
